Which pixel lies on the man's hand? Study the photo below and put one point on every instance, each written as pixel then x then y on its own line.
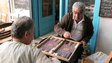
pixel 83 43
pixel 55 60
pixel 67 35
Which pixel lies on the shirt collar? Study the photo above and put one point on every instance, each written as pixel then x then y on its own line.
pixel 80 20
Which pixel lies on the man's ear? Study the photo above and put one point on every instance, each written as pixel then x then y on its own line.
pixel 26 34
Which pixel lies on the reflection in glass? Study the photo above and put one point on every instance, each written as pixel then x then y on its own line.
pixel 46 7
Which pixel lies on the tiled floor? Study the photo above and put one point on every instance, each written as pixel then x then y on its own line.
pixel 42 37
pixel 49 34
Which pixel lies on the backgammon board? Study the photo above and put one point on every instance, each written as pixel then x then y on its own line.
pixel 61 48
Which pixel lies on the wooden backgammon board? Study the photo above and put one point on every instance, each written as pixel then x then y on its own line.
pixel 61 48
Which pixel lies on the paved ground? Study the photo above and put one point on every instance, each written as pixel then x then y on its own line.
pixel 37 40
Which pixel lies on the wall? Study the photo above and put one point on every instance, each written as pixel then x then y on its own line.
pixel 104 42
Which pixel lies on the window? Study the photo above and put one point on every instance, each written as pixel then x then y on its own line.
pixel 47 7
pixel 20 8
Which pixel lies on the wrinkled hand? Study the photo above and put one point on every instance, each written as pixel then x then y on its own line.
pixel 67 35
pixel 83 43
pixel 55 60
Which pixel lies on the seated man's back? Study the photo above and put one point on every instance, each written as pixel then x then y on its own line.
pixel 16 52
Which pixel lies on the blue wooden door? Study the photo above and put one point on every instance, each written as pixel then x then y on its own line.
pixel 46 16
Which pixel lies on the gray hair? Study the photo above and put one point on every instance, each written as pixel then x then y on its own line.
pixel 79 5
pixel 20 26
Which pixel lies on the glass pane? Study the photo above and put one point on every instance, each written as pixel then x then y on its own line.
pixel 22 4
pixel 46 7
pixel 20 8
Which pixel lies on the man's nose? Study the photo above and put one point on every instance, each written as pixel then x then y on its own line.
pixel 77 16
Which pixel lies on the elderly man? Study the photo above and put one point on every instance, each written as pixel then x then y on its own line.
pixel 76 25
pixel 18 50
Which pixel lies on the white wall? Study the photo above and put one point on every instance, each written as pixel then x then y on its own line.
pixel 104 42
